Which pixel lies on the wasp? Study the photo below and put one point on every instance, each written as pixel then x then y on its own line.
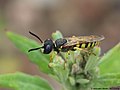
pixel 66 44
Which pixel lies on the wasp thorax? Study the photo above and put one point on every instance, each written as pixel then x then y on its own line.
pixel 60 42
pixel 48 46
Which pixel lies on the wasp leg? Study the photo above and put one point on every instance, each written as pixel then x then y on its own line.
pixel 87 51
pixel 51 58
pixel 66 58
pixel 65 61
pixel 52 55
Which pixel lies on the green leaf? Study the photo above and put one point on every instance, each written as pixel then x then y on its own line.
pixel 20 81
pixel 109 80
pixel 57 35
pixel 24 44
pixel 110 62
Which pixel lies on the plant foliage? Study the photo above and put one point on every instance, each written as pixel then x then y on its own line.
pixel 82 71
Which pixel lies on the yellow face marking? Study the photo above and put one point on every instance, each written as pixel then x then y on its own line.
pixel 83 45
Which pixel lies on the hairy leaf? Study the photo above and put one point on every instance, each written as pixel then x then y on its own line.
pixel 110 62
pixel 109 80
pixel 20 81
pixel 24 44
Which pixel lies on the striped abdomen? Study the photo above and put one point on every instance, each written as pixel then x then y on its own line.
pixel 88 44
pixel 80 45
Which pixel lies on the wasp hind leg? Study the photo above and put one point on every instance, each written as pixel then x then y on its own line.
pixel 89 52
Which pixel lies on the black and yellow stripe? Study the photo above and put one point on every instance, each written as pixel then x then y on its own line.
pixel 87 44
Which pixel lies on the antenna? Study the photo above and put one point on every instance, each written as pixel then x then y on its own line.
pixel 34 49
pixel 36 36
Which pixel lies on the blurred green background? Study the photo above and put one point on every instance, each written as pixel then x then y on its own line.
pixel 73 17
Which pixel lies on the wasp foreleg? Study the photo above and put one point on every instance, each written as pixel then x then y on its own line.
pixel 65 61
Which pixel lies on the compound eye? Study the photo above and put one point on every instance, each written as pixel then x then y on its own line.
pixel 47 49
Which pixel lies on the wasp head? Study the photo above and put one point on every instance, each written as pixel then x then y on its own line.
pixel 47 47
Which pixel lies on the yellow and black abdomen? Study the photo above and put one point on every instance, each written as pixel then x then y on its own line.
pixel 88 44
pixel 83 45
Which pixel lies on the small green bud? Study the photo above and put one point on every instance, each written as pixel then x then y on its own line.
pixel 72 81
pixel 83 81
pixel 57 35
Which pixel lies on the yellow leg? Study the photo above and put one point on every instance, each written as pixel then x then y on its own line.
pixel 64 58
pixel 87 51
pixel 52 55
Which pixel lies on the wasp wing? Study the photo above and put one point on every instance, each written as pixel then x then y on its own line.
pixel 71 41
